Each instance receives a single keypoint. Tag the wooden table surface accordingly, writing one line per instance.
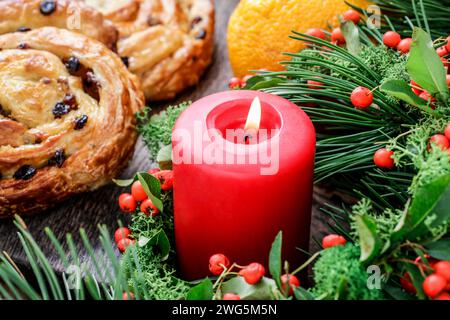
(100, 207)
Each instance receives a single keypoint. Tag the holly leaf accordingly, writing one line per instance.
(439, 249)
(124, 183)
(351, 35)
(368, 239)
(401, 90)
(275, 259)
(425, 66)
(396, 293)
(303, 294)
(202, 291)
(432, 200)
(164, 157)
(152, 188)
(263, 290)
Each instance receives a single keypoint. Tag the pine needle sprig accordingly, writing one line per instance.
(402, 15)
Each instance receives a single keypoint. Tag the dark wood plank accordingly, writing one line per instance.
(100, 207)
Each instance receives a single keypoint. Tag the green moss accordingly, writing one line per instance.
(156, 130)
(338, 274)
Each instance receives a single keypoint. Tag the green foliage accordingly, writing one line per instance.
(156, 130)
(404, 14)
(338, 274)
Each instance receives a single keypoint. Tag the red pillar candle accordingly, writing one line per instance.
(232, 195)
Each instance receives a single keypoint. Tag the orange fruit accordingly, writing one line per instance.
(258, 30)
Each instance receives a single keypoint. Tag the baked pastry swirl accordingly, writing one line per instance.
(66, 117)
(167, 43)
(76, 16)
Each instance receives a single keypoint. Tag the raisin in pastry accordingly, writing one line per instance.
(167, 43)
(67, 123)
(25, 15)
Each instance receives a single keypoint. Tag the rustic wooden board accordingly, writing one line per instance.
(100, 207)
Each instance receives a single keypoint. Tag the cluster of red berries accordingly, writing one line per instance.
(436, 285)
(252, 274)
(129, 202)
(238, 83)
(123, 239)
(442, 140)
(337, 37)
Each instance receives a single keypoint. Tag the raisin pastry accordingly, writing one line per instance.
(23, 15)
(67, 120)
(167, 43)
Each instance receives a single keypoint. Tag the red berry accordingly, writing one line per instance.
(448, 44)
(441, 141)
(291, 281)
(352, 15)
(154, 170)
(333, 240)
(416, 88)
(253, 273)
(316, 32)
(217, 263)
(123, 244)
(149, 208)
(314, 84)
(235, 83)
(444, 62)
(337, 36)
(405, 45)
(383, 158)
(138, 192)
(447, 77)
(166, 179)
(361, 97)
(406, 283)
(128, 296)
(121, 233)
(442, 51)
(391, 39)
(434, 285)
(443, 296)
(447, 131)
(231, 296)
(442, 268)
(127, 203)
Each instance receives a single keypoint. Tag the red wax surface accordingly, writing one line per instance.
(232, 208)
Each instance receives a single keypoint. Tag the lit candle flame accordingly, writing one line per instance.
(254, 116)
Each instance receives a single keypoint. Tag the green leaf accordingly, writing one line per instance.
(368, 240)
(160, 239)
(124, 183)
(351, 35)
(425, 66)
(202, 291)
(432, 199)
(152, 188)
(164, 157)
(263, 290)
(416, 279)
(275, 259)
(303, 294)
(264, 84)
(396, 293)
(401, 90)
(439, 249)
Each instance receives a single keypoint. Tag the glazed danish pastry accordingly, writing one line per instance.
(67, 107)
(167, 43)
(76, 16)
